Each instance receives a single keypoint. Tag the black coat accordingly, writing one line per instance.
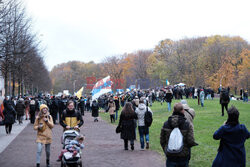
(127, 125)
(9, 114)
(95, 108)
(20, 107)
(169, 97)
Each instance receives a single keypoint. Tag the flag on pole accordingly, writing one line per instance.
(167, 82)
(79, 93)
(101, 87)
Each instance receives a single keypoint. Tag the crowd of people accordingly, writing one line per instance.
(46, 111)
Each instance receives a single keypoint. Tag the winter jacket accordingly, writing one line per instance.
(177, 120)
(140, 111)
(224, 97)
(20, 107)
(95, 109)
(9, 113)
(44, 135)
(189, 114)
(71, 118)
(117, 104)
(231, 151)
(111, 107)
(169, 97)
(127, 125)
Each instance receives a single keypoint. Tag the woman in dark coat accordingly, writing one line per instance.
(232, 137)
(95, 110)
(9, 116)
(127, 125)
(20, 107)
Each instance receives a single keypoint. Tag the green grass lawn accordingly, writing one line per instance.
(207, 120)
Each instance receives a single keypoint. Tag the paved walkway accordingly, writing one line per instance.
(7, 139)
(103, 148)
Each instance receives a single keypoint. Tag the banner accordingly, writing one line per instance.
(79, 93)
(101, 87)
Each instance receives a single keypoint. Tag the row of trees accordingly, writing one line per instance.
(204, 61)
(21, 63)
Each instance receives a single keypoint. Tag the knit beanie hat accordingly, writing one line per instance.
(42, 106)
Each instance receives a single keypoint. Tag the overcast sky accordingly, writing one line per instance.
(88, 30)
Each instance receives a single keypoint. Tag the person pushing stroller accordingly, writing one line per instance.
(71, 118)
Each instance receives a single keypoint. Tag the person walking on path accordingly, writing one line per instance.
(127, 125)
(117, 106)
(9, 116)
(20, 107)
(177, 120)
(168, 98)
(71, 118)
(111, 110)
(95, 110)
(232, 136)
(143, 130)
(224, 100)
(202, 97)
(27, 108)
(43, 125)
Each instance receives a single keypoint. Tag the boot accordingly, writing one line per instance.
(47, 162)
(37, 165)
(147, 145)
(132, 147)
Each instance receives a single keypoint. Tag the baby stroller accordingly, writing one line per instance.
(68, 159)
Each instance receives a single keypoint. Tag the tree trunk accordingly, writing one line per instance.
(19, 87)
(13, 84)
(6, 83)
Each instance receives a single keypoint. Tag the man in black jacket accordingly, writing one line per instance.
(177, 120)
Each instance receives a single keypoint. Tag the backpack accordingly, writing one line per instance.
(148, 118)
(175, 142)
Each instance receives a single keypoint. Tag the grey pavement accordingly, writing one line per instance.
(103, 148)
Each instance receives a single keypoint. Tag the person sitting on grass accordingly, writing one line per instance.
(232, 136)
(74, 147)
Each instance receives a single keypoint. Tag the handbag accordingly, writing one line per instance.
(1, 121)
(118, 129)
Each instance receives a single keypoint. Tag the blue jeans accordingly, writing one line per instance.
(169, 106)
(116, 114)
(143, 131)
(39, 152)
(176, 164)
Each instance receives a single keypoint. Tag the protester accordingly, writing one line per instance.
(127, 125)
(33, 109)
(54, 109)
(9, 114)
(143, 130)
(189, 112)
(245, 96)
(95, 110)
(43, 125)
(117, 106)
(27, 108)
(224, 100)
(20, 107)
(232, 136)
(202, 97)
(111, 110)
(177, 120)
(168, 98)
(71, 118)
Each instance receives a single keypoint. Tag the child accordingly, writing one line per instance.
(74, 146)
